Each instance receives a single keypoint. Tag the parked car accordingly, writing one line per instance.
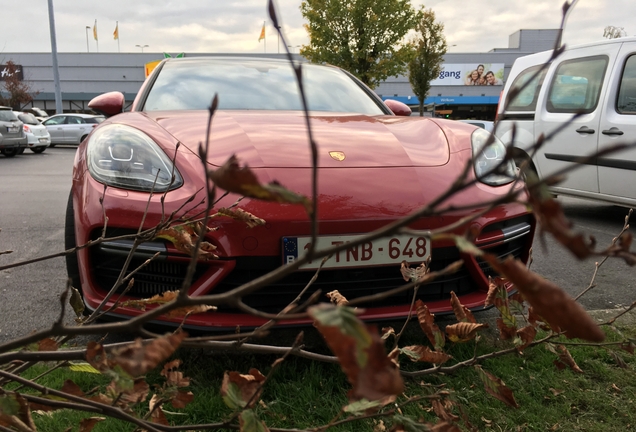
(484, 124)
(597, 81)
(374, 168)
(13, 137)
(38, 138)
(39, 113)
(71, 128)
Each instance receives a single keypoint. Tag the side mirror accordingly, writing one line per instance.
(109, 104)
(398, 108)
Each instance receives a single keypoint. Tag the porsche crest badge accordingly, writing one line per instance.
(337, 155)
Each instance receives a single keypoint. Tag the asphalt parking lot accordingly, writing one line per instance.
(34, 190)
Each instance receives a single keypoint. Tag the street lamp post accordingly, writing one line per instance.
(142, 47)
(87, 29)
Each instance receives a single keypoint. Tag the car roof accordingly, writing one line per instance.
(77, 115)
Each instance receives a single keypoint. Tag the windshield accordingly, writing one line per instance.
(6, 115)
(255, 84)
(28, 119)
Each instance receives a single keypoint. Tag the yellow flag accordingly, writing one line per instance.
(116, 32)
(262, 36)
(95, 30)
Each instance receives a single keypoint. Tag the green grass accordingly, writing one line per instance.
(303, 393)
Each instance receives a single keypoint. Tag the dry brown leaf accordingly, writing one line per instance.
(386, 332)
(232, 178)
(566, 360)
(492, 292)
(167, 297)
(506, 332)
(441, 412)
(462, 313)
(137, 359)
(47, 344)
(159, 417)
(19, 415)
(548, 300)
(138, 392)
(184, 239)
(181, 399)
(88, 424)
(250, 385)
(71, 388)
(414, 274)
(336, 298)
(526, 335)
(463, 331)
(628, 346)
(427, 323)
(173, 377)
(424, 354)
(239, 214)
(496, 387)
(374, 377)
(552, 219)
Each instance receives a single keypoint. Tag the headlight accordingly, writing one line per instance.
(487, 158)
(125, 157)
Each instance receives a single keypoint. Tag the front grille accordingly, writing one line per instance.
(156, 277)
(165, 274)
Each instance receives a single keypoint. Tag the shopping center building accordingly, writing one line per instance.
(86, 75)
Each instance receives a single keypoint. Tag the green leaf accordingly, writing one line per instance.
(76, 302)
(233, 397)
(251, 423)
(83, 367)
(440, 340)
(9, 406)
(359, 407)
(516, 307)
(412, 354)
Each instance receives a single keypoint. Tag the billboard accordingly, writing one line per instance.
(6, 71)
(463, 74)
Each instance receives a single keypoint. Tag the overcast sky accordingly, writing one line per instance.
(227, 26)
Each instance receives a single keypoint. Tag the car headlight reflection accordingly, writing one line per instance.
(488, 160)
(124, 157)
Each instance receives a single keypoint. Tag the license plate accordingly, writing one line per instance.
(12, 129)
(43, 140)
(383, 251)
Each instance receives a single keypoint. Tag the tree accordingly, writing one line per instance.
(430, 48)
(364, 37)
(19, 91)
(611, 32)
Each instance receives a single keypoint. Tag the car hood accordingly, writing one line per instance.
(279, 139)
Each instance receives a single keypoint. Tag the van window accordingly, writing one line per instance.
(576, 85)
(526, 100)
(626, 103)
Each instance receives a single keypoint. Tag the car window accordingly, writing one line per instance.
(576, 85)
(29, 119)
(74, 120)
(93, 120)
(526, 99)
(55, 120)
(255, 85)
(7, 115)
(626, 101)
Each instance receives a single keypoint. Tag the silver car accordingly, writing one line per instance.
(71, 128)
(38, 137)
(13, 136)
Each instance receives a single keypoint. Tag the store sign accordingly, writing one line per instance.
(455, 74)
(7, 72)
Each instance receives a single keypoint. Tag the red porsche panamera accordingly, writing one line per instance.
(374, 168)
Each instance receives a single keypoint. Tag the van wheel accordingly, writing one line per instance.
(10, 152)
(52, 145)
(38, 149)
(529, 171)
(83, 138)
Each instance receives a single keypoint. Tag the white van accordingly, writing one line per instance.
(597, 80)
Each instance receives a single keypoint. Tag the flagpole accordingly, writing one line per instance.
(95, 34)
(117, 27)
(264, 40)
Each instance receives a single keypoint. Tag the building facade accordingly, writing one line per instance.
(86, 75)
